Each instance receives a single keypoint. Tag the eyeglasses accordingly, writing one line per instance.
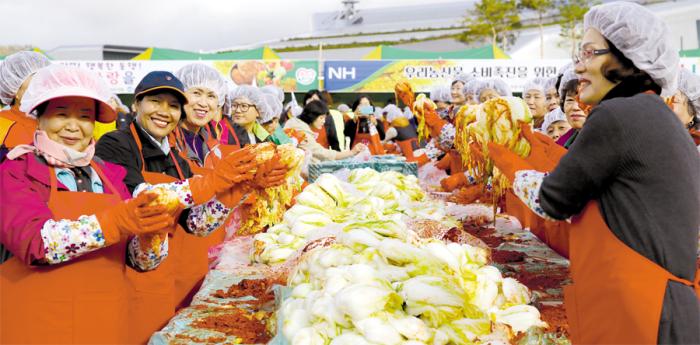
(586, 55)
(243, 107)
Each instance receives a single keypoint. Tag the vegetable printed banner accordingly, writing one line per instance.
(292, 75)
(381, 76)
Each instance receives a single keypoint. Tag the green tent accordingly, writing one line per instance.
(262, 53)
(392, 53)
(690, 53)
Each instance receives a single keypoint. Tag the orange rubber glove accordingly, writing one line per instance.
(444, 163)
(232, 197)
(231, 170)
(271, 173)
(134, 217)
(421, 160)
(471, 194)
(507, 161)
(434, 123)
(545, 153)
(453, 182)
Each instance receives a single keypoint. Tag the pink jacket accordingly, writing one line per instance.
(24, 196)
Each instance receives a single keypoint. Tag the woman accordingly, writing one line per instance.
(152, 162)
(16, 72)
(555, 124)
(686, 103)
(206, 92)
(272, 125)
(470, 91)
(457, 93)
(249, 108)
(314, 116)
(491, 88)
(440, 94)
(635, 227)
(364, 127)
(576, 113)
(335, 123)
(535, 98)
(69, 221)
(552, 93)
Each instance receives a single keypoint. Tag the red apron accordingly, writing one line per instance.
(617, 294)
(371, 139)
(83, 301)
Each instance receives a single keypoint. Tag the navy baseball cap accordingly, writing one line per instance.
(161, 81)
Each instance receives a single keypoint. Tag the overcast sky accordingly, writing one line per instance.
(180, 24)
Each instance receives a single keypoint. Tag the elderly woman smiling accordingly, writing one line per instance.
(68, 219)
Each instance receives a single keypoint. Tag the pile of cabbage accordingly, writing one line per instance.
(324, 208)
(380, 285)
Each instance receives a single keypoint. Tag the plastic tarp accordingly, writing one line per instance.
(262, 53)
(392, 53)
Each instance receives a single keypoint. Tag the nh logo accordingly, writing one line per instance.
(341, 73)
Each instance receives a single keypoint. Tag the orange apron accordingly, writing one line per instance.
(193, 263)
(16, 128)
(321, 137)
(371, 139)
(84, 300)
(153, 294)
(617, 294)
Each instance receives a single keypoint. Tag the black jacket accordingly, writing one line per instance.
(119, 147)
(635, 158)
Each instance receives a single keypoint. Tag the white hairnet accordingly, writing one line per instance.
(275, 91)
(275, 106)
(256, 97)
(563, 69)
(201, 75)
(471, 87)
(641, 36)
(293, 107)
(14, 71)
(565, 79)
(440, 93)
(392, 112)
(343, 108)
(55, 81)
(689, 85)
(551, 83)
(552, 117)
(538, 84)
(463, 78)
(495, 84)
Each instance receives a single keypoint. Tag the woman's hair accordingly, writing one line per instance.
(627, 71)
(570, 88)
(357, 101)
(312, 111)
(311, 93)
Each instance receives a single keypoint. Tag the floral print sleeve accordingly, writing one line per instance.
(447, 136)
(182, 188)
(205, 218)
(65, 239)
(146, 259)
(527, 188)
(432, 151)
